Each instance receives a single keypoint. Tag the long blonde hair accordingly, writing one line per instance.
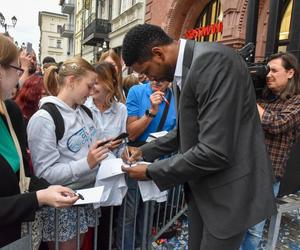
(54, 77)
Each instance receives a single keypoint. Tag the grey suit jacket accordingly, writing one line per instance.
(222, 156)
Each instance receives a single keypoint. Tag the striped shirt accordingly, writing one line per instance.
(281, 124)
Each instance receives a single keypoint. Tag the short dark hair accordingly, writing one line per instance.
(48, 59)
(139, 41)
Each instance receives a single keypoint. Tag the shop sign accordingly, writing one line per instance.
(204, 31)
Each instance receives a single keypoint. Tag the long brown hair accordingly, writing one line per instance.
(289, 61)
(108, 75)
(115, 57)
(54, 77)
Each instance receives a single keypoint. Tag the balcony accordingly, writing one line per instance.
(96, 32)
(67, 30)
(67, 6)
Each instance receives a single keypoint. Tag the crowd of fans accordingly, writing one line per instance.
(97, 103)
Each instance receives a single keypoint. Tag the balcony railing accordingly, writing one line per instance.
(67, 30)
(96, 31)
(67, 6)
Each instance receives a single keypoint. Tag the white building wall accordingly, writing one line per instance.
(51, 43)
(126, 14)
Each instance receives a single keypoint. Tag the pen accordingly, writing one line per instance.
(165, 99)
(127, 150)
(79, 195)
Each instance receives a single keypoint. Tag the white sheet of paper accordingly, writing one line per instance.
(91, 195)
(155, 135)
(109, 168)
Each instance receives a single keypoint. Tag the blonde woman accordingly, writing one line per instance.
(72, 160)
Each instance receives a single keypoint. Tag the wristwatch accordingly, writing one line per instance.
(149, 114)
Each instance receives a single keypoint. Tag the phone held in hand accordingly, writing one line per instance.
(121, 136)
(29, 48)
(103, 143)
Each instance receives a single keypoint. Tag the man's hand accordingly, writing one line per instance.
(156, 98)
(132, 155)
(137, 172)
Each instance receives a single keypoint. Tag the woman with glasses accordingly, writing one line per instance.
(17, 207)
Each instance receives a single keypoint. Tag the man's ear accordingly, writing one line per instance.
(158, 52)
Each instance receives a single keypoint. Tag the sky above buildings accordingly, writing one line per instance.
(26, 11)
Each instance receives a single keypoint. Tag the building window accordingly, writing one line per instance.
(209, 24)
(52, 27)
(51, 42)
(285, 26)
(211, 15)
(58, 44)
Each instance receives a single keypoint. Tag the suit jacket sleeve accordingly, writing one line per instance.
(162, 146)
(216, 82)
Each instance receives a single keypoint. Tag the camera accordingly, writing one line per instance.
(258, 71)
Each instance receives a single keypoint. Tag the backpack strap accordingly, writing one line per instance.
(87, 110)
(57, 118)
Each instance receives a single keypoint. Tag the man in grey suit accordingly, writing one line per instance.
(221, 156)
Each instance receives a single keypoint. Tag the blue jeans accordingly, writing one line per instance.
(254, 234)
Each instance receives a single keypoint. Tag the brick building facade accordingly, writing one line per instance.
(178, 16)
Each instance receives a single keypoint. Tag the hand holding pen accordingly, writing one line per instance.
(127, 151)
(79, 195)
(131, 155)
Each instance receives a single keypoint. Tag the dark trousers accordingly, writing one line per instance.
(201, 239)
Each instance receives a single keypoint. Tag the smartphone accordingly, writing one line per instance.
(103, 143)
(121, 136)
(29, 48)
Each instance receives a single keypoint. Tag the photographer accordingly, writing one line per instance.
(279, 111)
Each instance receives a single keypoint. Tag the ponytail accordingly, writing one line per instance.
(51, 81)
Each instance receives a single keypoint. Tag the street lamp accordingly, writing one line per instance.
(5, 25)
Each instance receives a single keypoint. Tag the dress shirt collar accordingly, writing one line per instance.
(179, 63)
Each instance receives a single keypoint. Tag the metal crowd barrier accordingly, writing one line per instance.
(157, 218)
(285, 204)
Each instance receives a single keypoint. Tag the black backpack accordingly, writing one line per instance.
(58, 119)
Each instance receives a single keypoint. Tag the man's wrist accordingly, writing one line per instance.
(147, 174)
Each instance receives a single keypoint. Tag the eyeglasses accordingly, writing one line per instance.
(19, 70)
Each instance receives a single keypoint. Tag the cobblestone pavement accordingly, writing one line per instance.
(289, 235)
